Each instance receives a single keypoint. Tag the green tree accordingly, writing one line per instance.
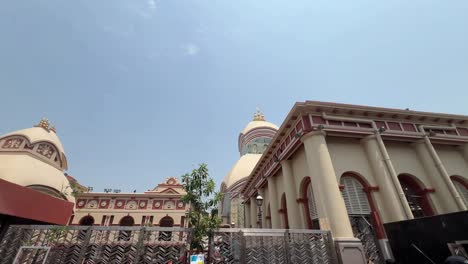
(203, 201)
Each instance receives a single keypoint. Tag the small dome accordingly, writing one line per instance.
(257, 124)
(242, 169)
(34, 158)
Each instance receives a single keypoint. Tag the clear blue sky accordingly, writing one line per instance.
(145, 89)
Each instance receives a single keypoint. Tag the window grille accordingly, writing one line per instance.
(354, 197)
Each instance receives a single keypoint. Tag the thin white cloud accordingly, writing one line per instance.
(152, 4)
(191, 49)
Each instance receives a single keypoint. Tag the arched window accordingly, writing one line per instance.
(126, 221)
(461, 185)
(354, 196)
(166, 221)
(284, 211)
(416, 196)
(309, 204)
(87, 221)
(364, 222)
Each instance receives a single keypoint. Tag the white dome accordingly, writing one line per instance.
(256, 124)
(242, 169)
(26, 164)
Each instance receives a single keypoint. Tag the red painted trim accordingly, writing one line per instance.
(369, 189)
(341, 186)
(428, 190)
(305, 183)
(306, 122)
(19, 201)
(460, 180)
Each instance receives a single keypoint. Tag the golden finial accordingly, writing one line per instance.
(258, 115)
(44, 123)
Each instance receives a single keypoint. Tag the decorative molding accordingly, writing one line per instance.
(369, 189)
(428, 190)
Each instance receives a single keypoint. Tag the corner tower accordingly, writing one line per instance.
(252, 142)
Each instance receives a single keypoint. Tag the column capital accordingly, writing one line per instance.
(285, 163)
(369, 137)
(418, 142)
(312, 134)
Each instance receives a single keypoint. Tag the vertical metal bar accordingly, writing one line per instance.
(286, 246)
(139, 245)
(84, 245)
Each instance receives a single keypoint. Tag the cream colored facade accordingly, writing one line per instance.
(330, 165)
(161, 206)
(35, 158)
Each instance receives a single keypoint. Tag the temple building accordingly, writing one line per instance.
(161, 206)
(350, 169)
(33, 187)
(253, 141)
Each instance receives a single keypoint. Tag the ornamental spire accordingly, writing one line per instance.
(258, 115)
(44, 123)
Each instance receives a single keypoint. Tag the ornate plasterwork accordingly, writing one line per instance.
(13, 143)
(44, 150)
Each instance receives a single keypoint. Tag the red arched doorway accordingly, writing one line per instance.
(126, 221)
(284, 211)
(308, 201)
(166, 221)
(87, 221)
(416, 195)
(166, 235)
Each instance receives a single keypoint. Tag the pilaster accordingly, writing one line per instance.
(291, 195)
(273, 195)
(253, 212)
(330, 204)
(446, 194)
(392, 206)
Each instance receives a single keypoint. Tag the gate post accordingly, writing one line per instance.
(139, 245)
(243, 252)
(84, 245)
(286, 245)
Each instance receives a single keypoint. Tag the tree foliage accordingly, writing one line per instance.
(203, 201)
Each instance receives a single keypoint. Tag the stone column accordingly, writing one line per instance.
(253, 212)
(247, 215)
(464, 150)
(291, 195)
(262, 193)
(447, 195)
(275, 218)
(393, 209)
(330, 204)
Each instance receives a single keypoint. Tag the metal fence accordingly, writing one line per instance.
(124, 245)
(273, 246)
(94, 245)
